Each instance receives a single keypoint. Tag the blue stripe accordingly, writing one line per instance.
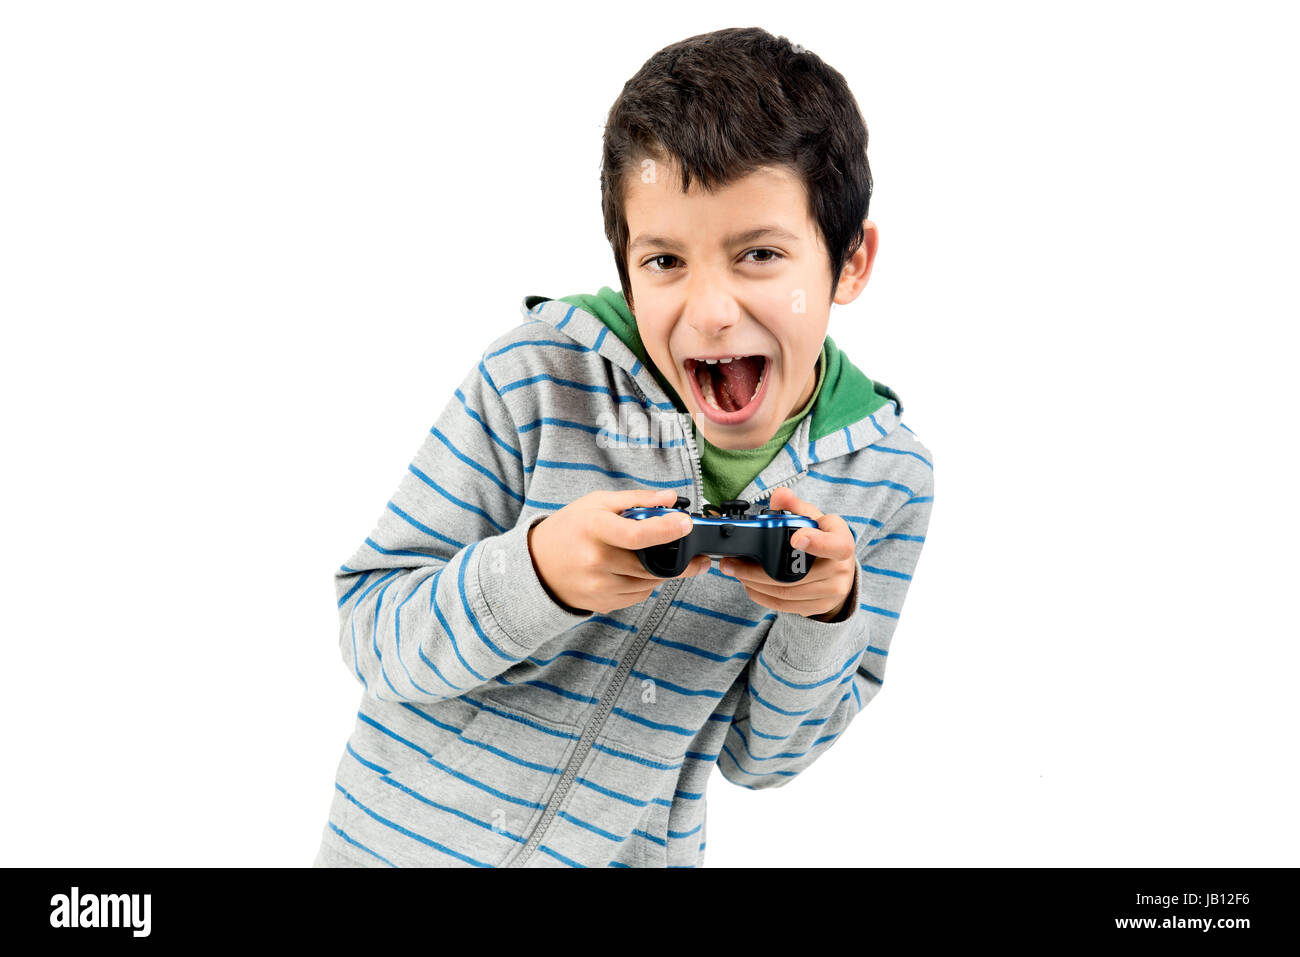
(862, 519)
(451, 810)
(554, 689)
(474, 465)
(475, 782)
(733, 619)
(360, 581)
(591, 827)
(882, 432)
(798, 466)
(469, 612)
(451, 498)
(451, 635)
(879, 611)
(584, 467)
(606, 620)
(801, 686)
(353, 841)
(885, 571)
(492, 749)
(712, 656)
(535, 725)
(915, 455)
(397, 631)
(419, 713)
(858, 482)
(411, 834)
(570, 383)
(558, 856)
(788, 755)
(573, 652)
(663, 683)
(392, 734)
(767, 704)
(374, 640)
(752, 774)
(369, 764)
(486, 428)
(674, 728)
(574, 346)
(898, 537)
(618, 795)
(636, 758)
(415, 523)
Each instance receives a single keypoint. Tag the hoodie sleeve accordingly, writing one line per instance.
(443, 596)
(809, 679)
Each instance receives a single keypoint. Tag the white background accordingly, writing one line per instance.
(248, 249)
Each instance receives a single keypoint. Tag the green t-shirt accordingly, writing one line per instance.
(842, 395)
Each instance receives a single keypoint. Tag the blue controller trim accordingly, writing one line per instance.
(764, 537)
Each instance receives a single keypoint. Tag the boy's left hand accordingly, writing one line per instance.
(828, 586)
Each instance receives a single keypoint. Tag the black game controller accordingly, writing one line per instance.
(764, 537)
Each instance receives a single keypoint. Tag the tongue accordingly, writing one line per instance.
(735, 382)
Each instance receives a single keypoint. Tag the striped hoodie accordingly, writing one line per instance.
(497, 728)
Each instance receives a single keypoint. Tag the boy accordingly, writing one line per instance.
(533, 697)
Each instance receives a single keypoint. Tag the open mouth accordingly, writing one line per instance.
(728, 389)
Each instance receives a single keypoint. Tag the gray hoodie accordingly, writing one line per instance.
(497, 728)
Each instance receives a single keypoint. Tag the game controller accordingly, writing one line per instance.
(764, 537)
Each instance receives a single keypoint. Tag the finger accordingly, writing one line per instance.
(749, 572)
(785, 498)
(635, 533)
(821, 590)
(831, 539)
(627, 563)
(617, 501)
(784, 602)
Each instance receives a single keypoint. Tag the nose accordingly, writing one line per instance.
(710, 310)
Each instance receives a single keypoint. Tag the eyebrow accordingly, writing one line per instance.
(749, 235)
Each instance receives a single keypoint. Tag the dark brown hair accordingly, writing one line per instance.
(723, 104)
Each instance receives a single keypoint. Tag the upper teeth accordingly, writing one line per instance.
(714, 362)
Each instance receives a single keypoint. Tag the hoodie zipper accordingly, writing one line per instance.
(697, 469)
(668, 592)
(670, 588)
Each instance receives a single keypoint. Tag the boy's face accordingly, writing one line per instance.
(702, 289)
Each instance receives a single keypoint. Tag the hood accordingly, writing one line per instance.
(846, 395)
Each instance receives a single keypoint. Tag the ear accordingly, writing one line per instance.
(856, 272)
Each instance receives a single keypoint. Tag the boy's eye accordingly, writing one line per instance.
(656, 261)
(772, 256)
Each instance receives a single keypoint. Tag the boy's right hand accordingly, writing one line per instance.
(585, 554)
